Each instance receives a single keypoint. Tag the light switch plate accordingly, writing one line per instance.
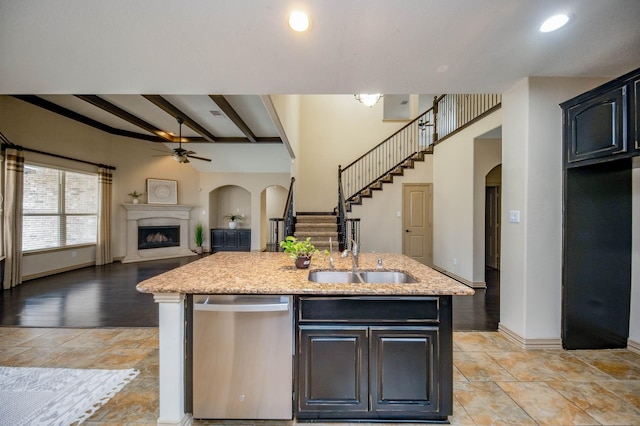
(514, 216)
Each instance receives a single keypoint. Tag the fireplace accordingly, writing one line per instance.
(158, 236)
(157, 231)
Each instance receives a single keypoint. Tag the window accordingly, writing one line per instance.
(60, 208)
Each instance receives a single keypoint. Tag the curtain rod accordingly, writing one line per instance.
(8, 144)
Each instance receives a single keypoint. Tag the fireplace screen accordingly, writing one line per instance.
(158, 236)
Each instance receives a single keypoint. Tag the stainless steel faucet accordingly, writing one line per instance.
(354, 253)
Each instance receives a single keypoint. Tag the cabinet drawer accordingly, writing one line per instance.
(369, 309)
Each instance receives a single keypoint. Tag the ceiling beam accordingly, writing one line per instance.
(226, 107)
(175, 112)
(55, 108)
(126, 116)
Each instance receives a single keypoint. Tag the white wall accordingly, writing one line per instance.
(531, 264)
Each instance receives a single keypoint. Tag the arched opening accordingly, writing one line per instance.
(227, 200)
(272, 203)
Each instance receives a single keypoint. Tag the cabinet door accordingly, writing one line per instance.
(404, 370)
(597, 126)
(230, 239)
(217, 240)
(332, 371)
(244, 240)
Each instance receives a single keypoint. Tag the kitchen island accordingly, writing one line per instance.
(254, 273)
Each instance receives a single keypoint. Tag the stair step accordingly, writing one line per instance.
(303, 234)
(304, 218)
(325, 225)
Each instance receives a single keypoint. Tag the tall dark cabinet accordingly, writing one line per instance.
(600, 136)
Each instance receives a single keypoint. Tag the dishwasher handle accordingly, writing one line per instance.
(269, 305)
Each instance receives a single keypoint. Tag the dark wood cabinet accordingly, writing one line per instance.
(602, 124)
(600, 136)
(230, 240)
(597, 125)
(374, 358)
(333, 369)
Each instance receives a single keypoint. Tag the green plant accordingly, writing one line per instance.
(234, 217)
(199, 235)
(300, 248)
(134, 194)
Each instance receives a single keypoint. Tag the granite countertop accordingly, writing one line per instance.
(275, 273)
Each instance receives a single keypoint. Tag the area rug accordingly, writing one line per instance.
(56, 396)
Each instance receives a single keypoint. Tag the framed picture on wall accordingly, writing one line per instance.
(162, 191)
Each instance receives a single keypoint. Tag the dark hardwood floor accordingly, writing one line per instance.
(106, 296)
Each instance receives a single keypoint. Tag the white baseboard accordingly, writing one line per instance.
(633, 346)
(471, 284)
(529, 343)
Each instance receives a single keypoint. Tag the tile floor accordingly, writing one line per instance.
(495, 382)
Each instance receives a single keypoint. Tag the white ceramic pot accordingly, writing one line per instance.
(135, 201)
(233, 225)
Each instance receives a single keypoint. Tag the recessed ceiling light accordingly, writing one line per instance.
(554, 23)
(299, 21)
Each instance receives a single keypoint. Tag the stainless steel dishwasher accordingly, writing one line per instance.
(242, 357)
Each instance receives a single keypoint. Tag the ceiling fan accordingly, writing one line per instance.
(180, 154)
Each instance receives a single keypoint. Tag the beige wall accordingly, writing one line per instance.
(487, 155)
(381, 216)
(460, 165)
(254, 184)
(334, 130)
(531, 264)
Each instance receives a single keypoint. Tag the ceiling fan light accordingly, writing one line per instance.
(369, 99)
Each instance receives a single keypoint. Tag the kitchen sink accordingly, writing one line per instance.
(364, 277)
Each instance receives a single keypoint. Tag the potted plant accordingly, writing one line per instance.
(134, 196)
(199, 237)
(301, 251)
(233, 219)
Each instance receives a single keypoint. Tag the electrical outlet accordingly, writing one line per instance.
(74, 253)
(455, 261)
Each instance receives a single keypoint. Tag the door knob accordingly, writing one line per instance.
(406, 230)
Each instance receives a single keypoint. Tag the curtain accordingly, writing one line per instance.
(13, 188)
(103, 246)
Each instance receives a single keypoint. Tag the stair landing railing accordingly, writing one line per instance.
(449, 114)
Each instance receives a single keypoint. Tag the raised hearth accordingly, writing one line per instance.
(163, 217)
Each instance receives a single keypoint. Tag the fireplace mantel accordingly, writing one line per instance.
(156, 215)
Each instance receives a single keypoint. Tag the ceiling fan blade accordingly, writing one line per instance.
(200, 158)
(189, 152)
(163, 155)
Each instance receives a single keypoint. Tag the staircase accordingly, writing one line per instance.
(368, 191)
(320, 227)
(448, 115)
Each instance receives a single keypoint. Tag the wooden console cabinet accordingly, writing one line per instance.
(230, 240)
